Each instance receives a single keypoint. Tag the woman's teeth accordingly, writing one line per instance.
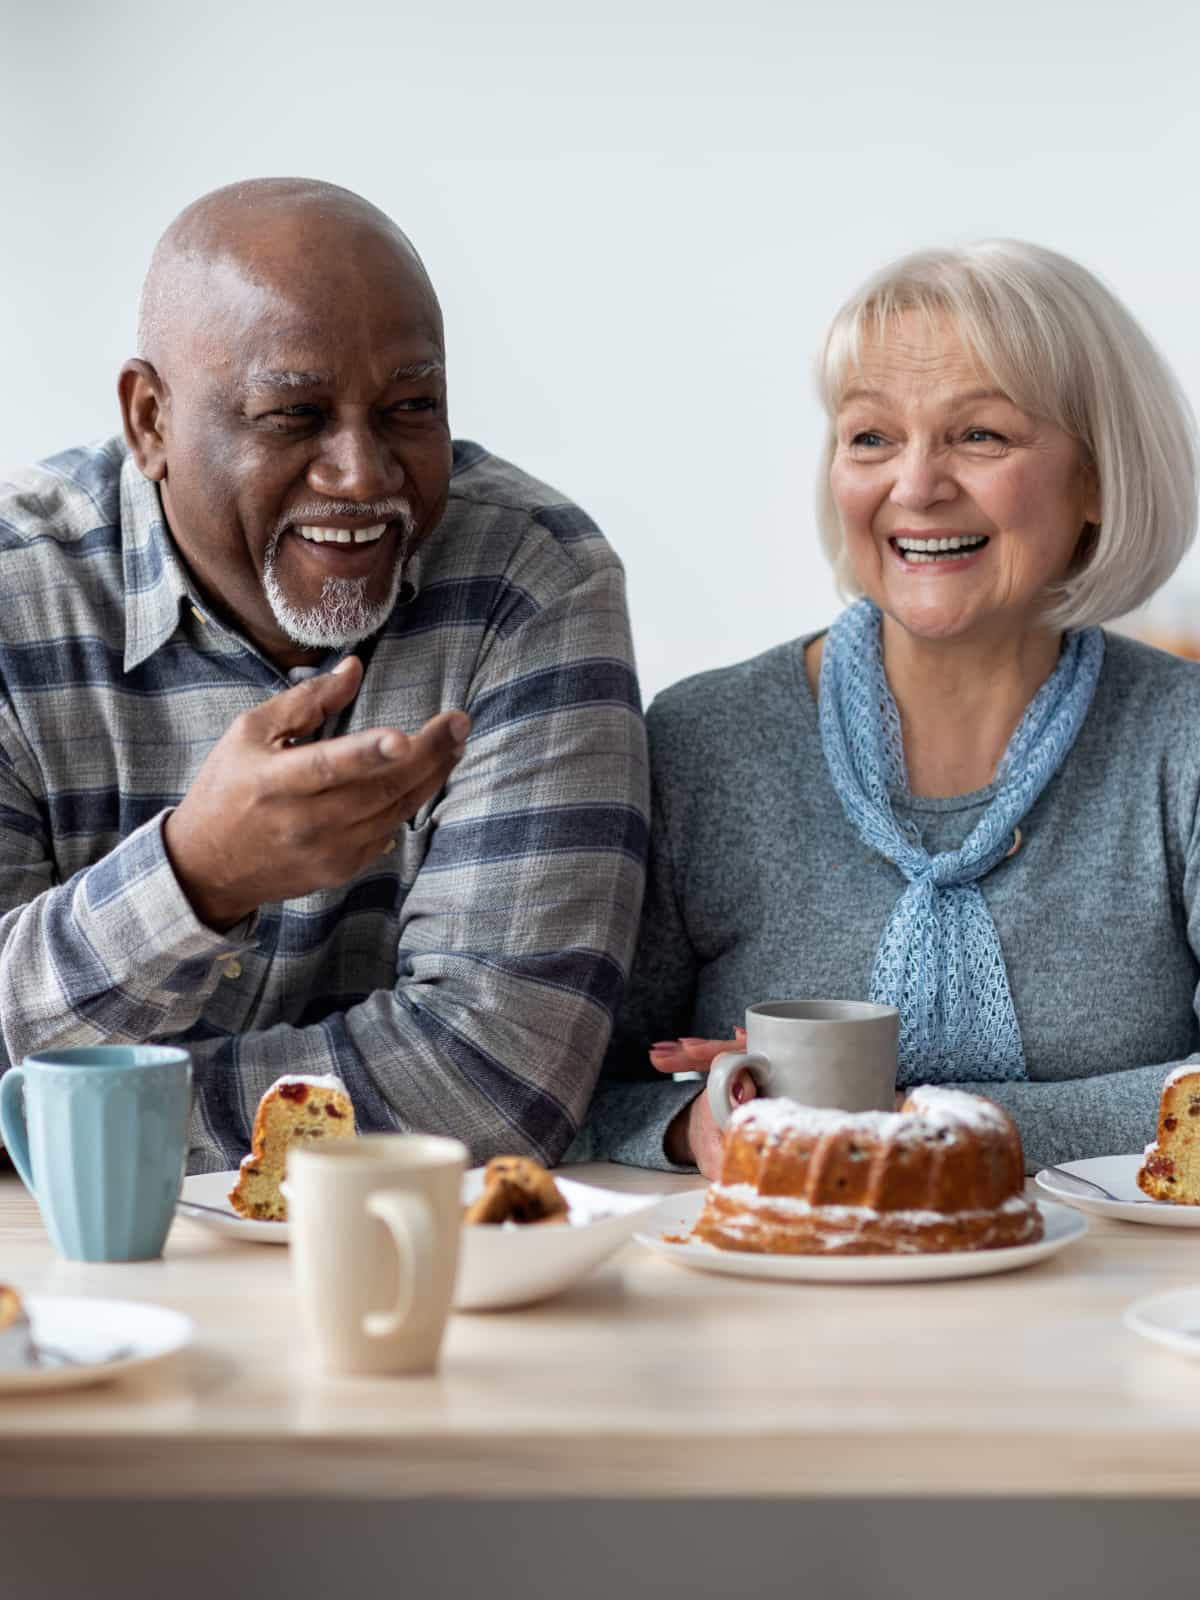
(316, 535)
(951, 549)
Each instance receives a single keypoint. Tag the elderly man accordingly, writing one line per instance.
(320, 747)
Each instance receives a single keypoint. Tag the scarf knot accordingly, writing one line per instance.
(939, 958)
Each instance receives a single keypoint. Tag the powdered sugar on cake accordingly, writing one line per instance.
(940, 1108)
(328, 1080)
(947, 1106)
(745, 1195)
(780, 1118)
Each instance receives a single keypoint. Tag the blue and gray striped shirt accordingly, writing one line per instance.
(466, 983)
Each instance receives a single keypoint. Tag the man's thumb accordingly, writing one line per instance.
(303, 708)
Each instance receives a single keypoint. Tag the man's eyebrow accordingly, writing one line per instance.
(263, 379)
(414, 370)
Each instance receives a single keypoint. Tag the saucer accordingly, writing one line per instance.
(1118, 1174)
(89, 1341)
(677, 1214)
(211, 1190)
(1171, 1319)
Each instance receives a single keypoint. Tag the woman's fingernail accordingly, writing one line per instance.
(665, 1044)
(693, 1041)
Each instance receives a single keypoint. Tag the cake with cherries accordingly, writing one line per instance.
(1170, 1168)
(294, 1110)
(945, 1172)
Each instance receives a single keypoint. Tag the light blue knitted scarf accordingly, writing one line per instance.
(939, 960)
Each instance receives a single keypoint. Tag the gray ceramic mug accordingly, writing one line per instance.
(839, 1053)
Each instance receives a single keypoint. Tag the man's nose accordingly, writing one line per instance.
(922, 479)
(353, 463)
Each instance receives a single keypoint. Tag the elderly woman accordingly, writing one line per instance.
(965, 798)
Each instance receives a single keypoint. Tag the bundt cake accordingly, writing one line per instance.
(1171, 1166)
(945, 1172)
(294, 1109)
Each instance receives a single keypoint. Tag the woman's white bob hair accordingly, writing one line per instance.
(1062, 347)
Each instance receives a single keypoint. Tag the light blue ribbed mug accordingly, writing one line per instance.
(99, 1136)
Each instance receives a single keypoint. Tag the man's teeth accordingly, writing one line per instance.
(955, 547)
(316, 535)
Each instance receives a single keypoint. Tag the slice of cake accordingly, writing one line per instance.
(1171, 1167)
(294, 1110)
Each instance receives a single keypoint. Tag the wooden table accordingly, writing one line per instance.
(644, 1382)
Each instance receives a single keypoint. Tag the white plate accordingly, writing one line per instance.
(212, 1189)
(514, 1266)
(1171, 1319)
(101, 1338)
(1118, 1174)
(678, 1213)
(498, 1266)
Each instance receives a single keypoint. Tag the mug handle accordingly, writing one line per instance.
(14, 1126)
(720, 1078)
(409, 1220)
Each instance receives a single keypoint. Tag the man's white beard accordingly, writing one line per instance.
(342, 616)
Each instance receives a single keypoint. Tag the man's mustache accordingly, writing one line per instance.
(393, 510)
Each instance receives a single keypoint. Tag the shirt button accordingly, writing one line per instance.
(231, 967)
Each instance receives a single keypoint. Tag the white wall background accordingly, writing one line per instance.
(639, 216)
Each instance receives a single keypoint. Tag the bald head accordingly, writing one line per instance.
(291, 377)
(289, 235)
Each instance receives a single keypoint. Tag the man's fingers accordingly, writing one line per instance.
(384, 764)
(306, 706)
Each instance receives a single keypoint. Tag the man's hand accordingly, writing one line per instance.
(267, 821)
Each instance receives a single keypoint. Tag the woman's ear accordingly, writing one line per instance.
(143, 398)
(1092, 507)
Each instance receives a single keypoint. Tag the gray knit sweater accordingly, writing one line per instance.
(760, 889)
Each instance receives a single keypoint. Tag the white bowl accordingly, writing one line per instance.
(513, 1265)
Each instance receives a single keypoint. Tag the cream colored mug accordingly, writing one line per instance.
(374, 1224)
(839, 1053)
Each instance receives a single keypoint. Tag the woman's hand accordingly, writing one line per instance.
(693, 1136)
(696, 1055)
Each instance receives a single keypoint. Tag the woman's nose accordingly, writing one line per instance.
(353, 463)
(921, 480)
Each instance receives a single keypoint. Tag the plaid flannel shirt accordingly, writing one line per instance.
(466, 983)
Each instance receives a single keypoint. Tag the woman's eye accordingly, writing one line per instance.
(983, 436)
(867, 439)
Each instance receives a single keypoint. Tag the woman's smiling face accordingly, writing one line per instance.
(960, 511)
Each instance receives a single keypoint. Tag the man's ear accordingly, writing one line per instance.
(143, 398)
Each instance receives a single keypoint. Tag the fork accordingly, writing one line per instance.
(1106, 1194)
(213, 1211)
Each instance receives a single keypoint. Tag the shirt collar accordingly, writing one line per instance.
(155, 582)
